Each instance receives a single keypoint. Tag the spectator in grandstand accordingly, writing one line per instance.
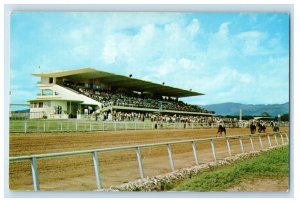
(130, 99)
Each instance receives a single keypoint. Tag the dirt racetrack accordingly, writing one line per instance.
(76, 173)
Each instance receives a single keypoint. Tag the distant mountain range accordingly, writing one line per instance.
(230, 108)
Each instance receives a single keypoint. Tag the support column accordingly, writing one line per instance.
(35, 175)
(228, 146)
(195, 152)
(282, 141)
(97, 170)
(213, 149)
(251, 142)
(241, 145)
(270, 144)
(138, 156)
(170, 157)
(275, 139)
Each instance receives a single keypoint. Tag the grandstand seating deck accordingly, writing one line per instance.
(131, 99)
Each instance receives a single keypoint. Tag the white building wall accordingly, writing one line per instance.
(45, 80)
(48, 110)
(60, 98)
(56, 103)
(36, 113)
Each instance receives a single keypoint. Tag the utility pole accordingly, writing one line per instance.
(240, 114)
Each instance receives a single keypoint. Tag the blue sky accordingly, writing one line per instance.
(231, 57)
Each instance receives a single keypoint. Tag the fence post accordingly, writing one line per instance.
(135, 125)
(61, 126)
(90, 126)
(195, 152)
(281, 138)
(102, 125)
(44, 127)
(260, 142)
(170, 157)
(138, 156)
(270, 144)
(251, 142)
(228, 146)
(125, 125)
(25, 127)
(213, 149)
(97, 170)
(76, 126)
(144, 125)
(35, 175)
(241, 144)
(275, 139)
(287, 138)
(115, 126)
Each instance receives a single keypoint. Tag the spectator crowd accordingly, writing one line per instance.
(140, 116)
(131, 99)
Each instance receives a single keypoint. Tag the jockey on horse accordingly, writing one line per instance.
(252, 127)
(261, 127)
(275, 126)
(221, 128)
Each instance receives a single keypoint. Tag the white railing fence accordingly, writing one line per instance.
(75, 125)
(34, 158)
(34, 126)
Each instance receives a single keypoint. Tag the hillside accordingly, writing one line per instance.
(231, 108)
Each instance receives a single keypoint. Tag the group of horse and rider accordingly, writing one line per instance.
(260, 125)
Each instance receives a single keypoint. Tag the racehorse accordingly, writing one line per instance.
(252, 128)
(261, 128)
(275, 127)
(221, 130)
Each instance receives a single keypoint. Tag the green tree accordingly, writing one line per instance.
(285, 117)
(265, 114)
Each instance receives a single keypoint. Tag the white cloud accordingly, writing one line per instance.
(185, 63)
(171, 48)
(251, 42)
(168, 67)
(110, 52)
(149, 44)
(182, 64)
(82, 50)
(224, 29)
(112, 22)
(145, 35)
(220, 44)
(193, 28)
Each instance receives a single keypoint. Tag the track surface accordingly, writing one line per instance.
(76, 173)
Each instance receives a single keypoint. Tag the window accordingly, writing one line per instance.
(46, 92)
(50, 80)
(58, 109)
(40, 105)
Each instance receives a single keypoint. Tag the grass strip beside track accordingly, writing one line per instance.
(272, 164)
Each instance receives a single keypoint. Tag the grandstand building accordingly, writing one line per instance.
(94, 94)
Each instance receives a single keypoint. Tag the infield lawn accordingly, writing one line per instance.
(273, 164)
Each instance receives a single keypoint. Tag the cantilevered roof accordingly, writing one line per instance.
(122, 81)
